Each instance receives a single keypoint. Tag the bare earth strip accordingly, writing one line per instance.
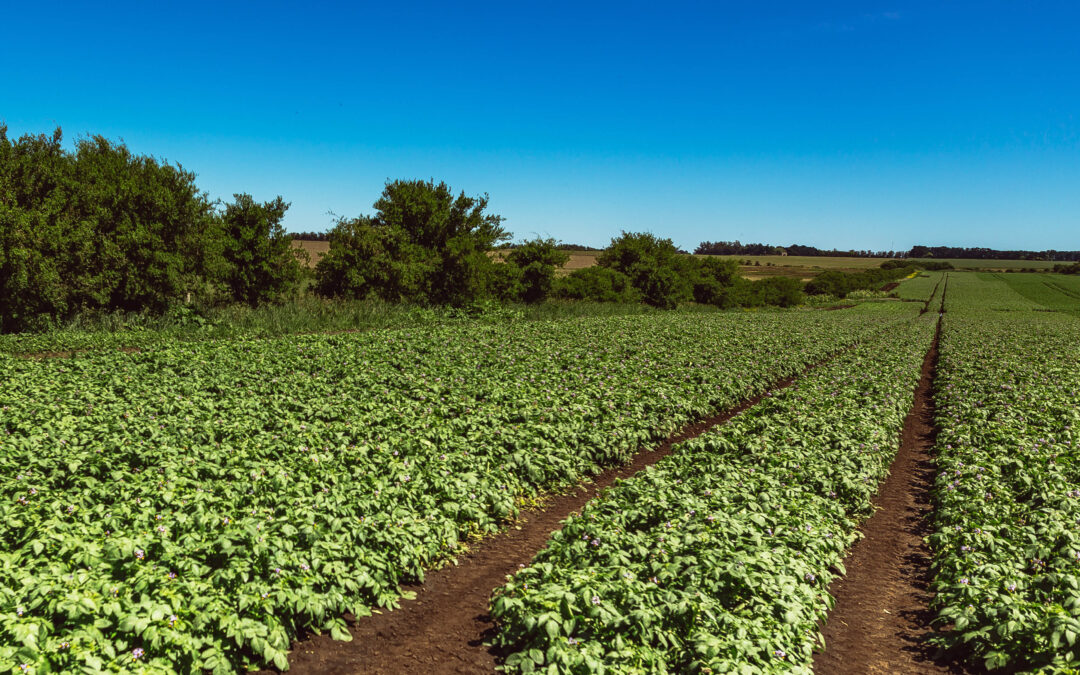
(882, 614)
(444, 628)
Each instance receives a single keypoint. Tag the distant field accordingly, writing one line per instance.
(808, 267)
(995, 265)
(315, 250)
(761, 266)
(1057, 292)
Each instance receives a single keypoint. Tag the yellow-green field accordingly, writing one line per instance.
(760, 266)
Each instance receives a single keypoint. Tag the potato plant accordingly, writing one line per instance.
(718, 558)
(1007, 532)
(196, 506)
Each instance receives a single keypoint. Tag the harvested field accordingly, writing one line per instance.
(314, 249)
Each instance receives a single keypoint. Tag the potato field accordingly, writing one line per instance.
(203, 505)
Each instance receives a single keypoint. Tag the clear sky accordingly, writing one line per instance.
(844, 124)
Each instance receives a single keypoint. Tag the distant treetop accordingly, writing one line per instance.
(310, 236)
(737, 248)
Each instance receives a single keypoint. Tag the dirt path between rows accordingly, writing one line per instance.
(882, 613)
(444, 628)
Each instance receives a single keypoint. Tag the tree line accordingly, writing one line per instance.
(979, 253)
(99, 229)
(919, 251)
(424, 244)
(738, 248)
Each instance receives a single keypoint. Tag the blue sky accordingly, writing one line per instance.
(846, 124)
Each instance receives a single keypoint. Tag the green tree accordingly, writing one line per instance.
(156, 238)
(537, 259)
(368, 260)
(262, 264)
(599, 284)
(653, 266)
(96, 230)
(713, 280)
(36, 230)
(422, 245)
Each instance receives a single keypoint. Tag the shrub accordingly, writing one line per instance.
(713, 281)
(423, 245)
(262, 265)
(600, 284)
(775, 291)
(652, 265)
(537, 261)
(99, 229)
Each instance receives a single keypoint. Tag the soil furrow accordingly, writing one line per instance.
(445, 627)
(882, 614)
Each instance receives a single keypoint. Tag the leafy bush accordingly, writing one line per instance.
(506, 283)
(537, 259)
(839, 284)
(262, 264)
(423, 245)
(934, 265)
(653, 266)
(774, 291)
(600, 284)
(713, 281)
(100, 229)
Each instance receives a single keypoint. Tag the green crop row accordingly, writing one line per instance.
(197, 506)
(920, 287)
(1007, 533)
(718, 558)
(985, 293)
(1058, 292)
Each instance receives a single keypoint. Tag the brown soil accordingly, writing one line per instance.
(882, 615)
(51, 355)
(445, 627)
(889, 286)
(926, 307)
(314, 249)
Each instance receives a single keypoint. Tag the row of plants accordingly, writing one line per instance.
(920, 287)
(1007, 525)
(1052, 291)
(196, 506)
(988, 294)
(718, 558)
(306, 315)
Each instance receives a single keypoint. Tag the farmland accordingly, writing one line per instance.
(797, 267)
(719, 556)
(1007, 563)
(200, 505)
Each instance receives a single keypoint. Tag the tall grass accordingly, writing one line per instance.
(307, 314)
